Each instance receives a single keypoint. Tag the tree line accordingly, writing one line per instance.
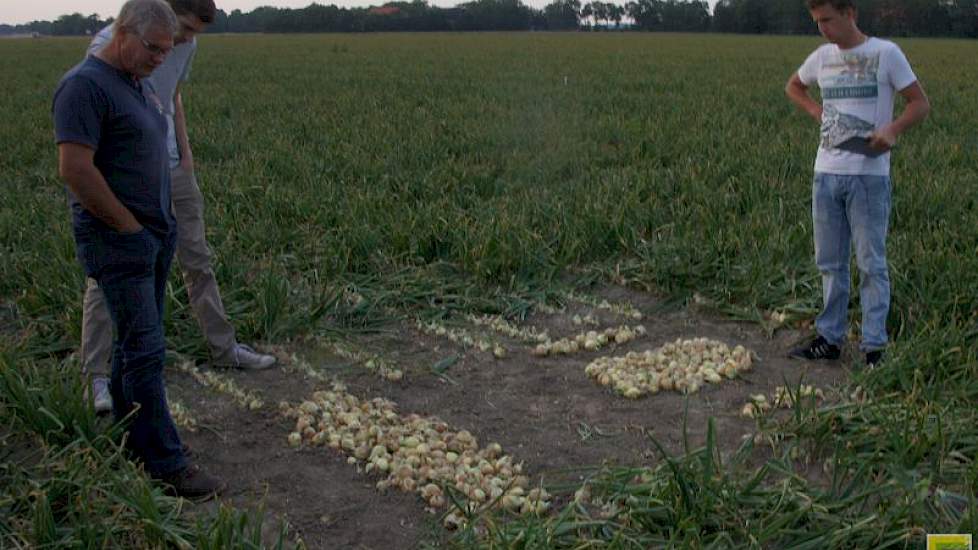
(878, 17)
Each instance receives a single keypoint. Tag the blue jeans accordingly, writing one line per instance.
(131, 270)
(852, 209)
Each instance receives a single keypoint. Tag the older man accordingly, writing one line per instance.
(111, 136)
(192, 251)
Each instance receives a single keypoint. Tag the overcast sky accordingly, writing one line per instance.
(14, 12)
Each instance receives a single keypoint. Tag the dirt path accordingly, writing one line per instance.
(322, 497)
(544, 411)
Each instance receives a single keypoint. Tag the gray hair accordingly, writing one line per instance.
(139, 16)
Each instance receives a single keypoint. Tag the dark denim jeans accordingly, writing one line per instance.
(131, 270)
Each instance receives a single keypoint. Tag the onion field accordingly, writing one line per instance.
(527, 290)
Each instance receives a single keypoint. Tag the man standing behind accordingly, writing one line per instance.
(858, 77)
(111, 136)
(193, 253)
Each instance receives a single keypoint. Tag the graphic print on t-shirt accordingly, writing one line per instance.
(838, 127)
(848, 80)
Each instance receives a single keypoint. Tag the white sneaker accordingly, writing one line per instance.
(101, 398)
(246, 358)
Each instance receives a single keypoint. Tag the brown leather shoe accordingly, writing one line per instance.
(193, 483)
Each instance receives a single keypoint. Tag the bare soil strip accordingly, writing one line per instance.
(545, 411)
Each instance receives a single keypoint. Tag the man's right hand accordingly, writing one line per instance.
(76, 166)
(131, 230)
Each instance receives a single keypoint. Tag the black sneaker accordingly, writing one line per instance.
(874, 358)
(193, 483)
(819, 348)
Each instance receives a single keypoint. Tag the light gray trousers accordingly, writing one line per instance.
(194, 258)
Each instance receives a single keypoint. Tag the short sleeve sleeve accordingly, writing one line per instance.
(100, 39)
(190, 61)
(79, 109)
(808, 72)
(900, 74)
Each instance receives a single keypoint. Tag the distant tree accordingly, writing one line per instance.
(789, 18)
(876, 17)
(599, 11)
(587, 12)
(238, 22)
(562, 14)
(615, 13)
(964, 17)
(647, 14)
(76, 24)
(220, 23)
(495, 15)
(629, 8)
(688, 16)
(753, 16)
(725, 16)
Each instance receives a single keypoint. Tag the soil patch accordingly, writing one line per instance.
(544, 411)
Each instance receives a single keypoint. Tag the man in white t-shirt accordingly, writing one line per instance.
(859, 77)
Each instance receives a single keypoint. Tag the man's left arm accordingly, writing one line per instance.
(180, 130)
(916, 110)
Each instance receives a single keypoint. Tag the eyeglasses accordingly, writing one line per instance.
(154, 49)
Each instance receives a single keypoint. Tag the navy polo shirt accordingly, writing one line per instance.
(121, 119)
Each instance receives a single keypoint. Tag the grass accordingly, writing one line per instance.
(67, 481)
(439, 174)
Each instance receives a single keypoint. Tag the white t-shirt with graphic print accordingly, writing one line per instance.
(858, 88)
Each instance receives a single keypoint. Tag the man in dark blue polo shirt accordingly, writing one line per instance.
(112, 156)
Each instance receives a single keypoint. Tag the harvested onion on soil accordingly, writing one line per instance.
(683, 366)
(413, 453)
(591, 340)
